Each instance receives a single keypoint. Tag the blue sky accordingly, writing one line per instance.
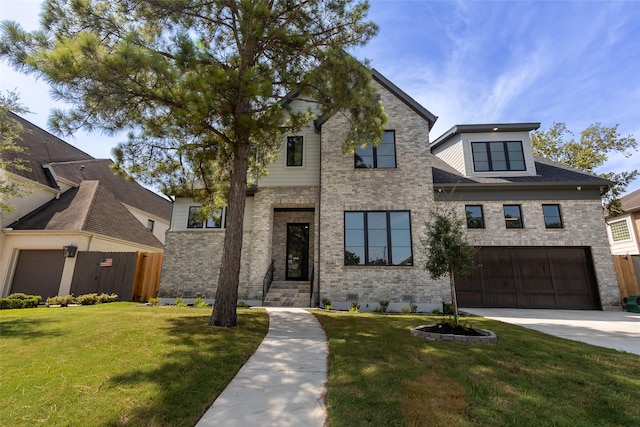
(576, 62)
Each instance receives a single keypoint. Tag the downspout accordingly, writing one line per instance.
(319, 216)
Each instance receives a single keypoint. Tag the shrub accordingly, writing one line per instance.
(87, 299)
(199, 302)
(242, 304)
(20, 300)
(104, 298)
(384, 305)
(355, 307)
(413, 307)
(405, 310)
(154, 301)
(62, 300)
(180, 302)
(326, 303)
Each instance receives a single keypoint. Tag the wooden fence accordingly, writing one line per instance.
(147, 278)
(627, 272)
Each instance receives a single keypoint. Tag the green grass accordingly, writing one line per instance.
(118, 364)
(380, 375)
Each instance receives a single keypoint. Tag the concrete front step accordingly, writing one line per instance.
(288, 294)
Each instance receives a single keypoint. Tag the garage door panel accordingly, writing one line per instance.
(531, 277)
(38, 272)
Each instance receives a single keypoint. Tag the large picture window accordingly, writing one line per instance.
(497, 156)
(381, 157)
(377, 238)
(294, 150)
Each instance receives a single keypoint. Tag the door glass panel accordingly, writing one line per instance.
(297, 251)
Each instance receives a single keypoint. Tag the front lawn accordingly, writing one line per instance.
(380, 375)
(118, 364)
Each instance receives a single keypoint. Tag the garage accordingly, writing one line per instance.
(531, 277)
(38, 272)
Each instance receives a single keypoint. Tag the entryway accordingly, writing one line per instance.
(297, 252)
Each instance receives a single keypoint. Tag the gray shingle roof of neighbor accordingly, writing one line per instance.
(68, 162)
(90, 207)
(548, 173)
(631, 202)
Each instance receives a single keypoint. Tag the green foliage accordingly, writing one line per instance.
(413, 307)
(589, 153)
(180, 302)
(154, 301)
(61, 300)
(405, 310)
(104, 298)
(87, 299)
(242, 304)
(355, 307)
(199, 302)
(447, 249)
(20, 300)
(326, 303)
(11, 154)
(384, 305)
(205, 94)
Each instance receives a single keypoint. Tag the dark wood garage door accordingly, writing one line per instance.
(531, 277)
(38, 273)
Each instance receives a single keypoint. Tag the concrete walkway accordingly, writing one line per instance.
(619, 330)
(283, 383)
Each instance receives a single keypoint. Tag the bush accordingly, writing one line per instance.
(61, 300)
(242, 304)
(384, 305)
(180, 302)
(88, 299)
(355, 307)
(199, 302)
(154, 301)
(104, 298)
(20, 300)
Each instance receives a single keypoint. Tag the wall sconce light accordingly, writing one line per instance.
(69, 251)
(578, 188)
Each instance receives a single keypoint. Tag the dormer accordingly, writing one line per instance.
(488, 150)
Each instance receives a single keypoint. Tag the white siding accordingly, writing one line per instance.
(452, 153)
(180, 215)
(623, 247)
(35, 196)
(281, 175)
(160, 225)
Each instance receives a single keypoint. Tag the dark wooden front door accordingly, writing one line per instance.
(531, 277)
(297, 252)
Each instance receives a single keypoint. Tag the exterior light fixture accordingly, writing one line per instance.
(69, 251)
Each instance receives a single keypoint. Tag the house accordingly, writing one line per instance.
(76, 215)
(348, 227)
(624, 229)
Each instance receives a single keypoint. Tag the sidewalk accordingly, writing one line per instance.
(283, 383)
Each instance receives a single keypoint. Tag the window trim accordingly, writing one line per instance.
(150, 225)
(507, 220)
(193, 225)
(548, 225)
(482, 222)
(204, 224)
(628, 231)
(300, 138)
(506, 155)
(366, 239)
(375, 154)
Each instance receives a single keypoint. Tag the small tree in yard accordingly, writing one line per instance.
(447, 249)
(204, 87)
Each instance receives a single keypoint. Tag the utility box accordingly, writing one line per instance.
(632, 303)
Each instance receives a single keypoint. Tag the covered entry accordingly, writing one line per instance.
(292, 243)
(531, 277)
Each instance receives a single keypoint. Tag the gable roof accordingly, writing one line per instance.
(484, 128)
(90, 207)
(550, 173)
(410, 102)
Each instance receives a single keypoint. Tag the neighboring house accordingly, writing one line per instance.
(624, 229)
(349, 227)
(75, 203)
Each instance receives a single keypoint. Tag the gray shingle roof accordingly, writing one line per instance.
(90, 207)
(630, 202)
(549, 173)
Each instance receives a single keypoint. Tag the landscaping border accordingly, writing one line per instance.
(487, 337)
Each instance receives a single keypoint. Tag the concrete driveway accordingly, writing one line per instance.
(619, 330)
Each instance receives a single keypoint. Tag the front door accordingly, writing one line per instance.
(297, 252)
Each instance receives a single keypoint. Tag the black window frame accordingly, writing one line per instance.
(549, 224)
(469, 219)
(492, 163)
(510, 221)
(195, 222)
(223, 220)
(375, 155)
(389, 262)
(151, 225)
(298, 144)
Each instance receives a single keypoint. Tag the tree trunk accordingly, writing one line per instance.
(454, 300)
(224, 309)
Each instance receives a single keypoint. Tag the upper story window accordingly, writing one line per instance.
(216, 220)
(552, 217)
(381, 157)
(150, 225)
(294, 150)
(475, 216)
(497, 156)
(513, 216)
(620, 230)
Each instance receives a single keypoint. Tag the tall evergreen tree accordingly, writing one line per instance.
(203, 87)
(12, 155)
